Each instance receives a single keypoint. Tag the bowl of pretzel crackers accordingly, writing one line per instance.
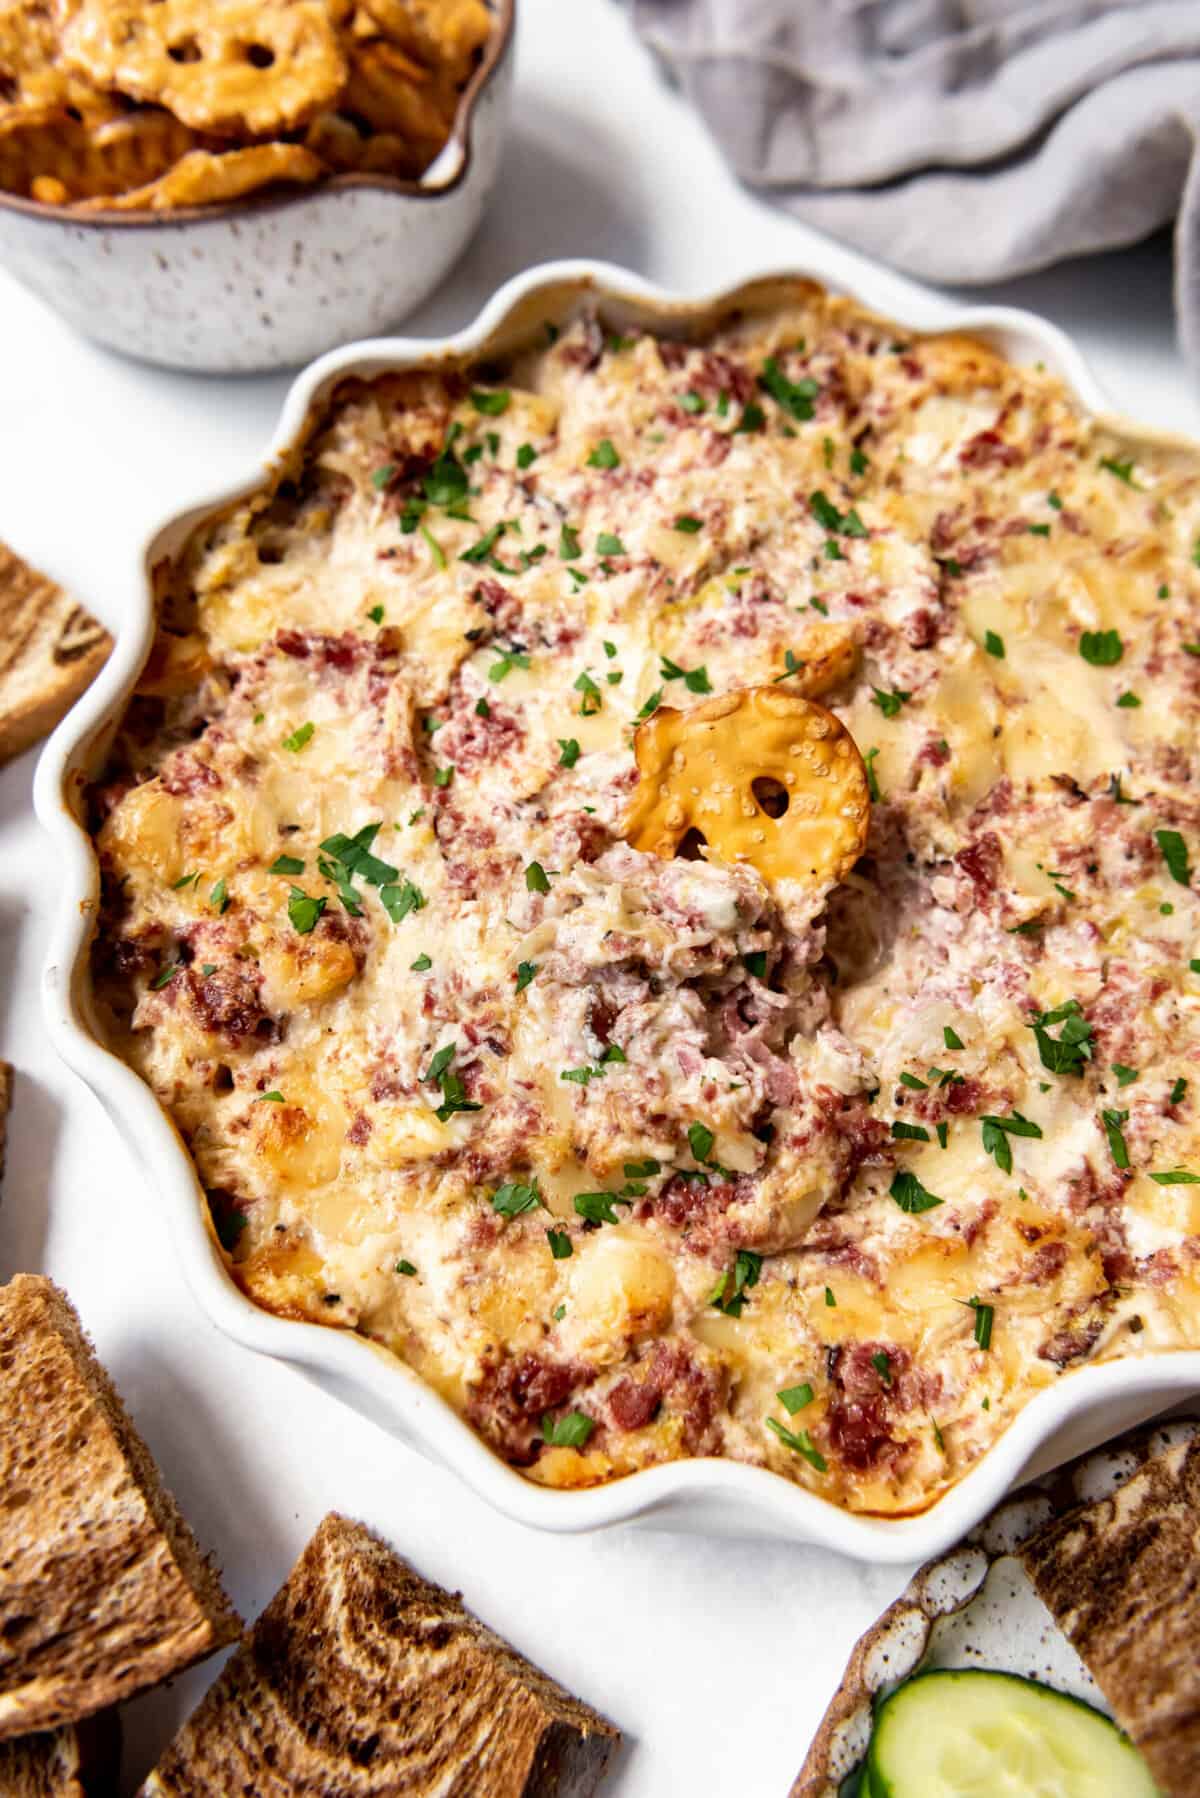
(237, 185)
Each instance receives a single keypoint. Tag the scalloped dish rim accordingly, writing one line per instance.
(714, 1495)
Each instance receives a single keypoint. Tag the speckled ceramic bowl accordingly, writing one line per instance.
(269, 282)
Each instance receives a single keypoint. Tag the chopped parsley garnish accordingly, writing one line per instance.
(1103, 649)
(691, 402)
(694, 679)
(491, 403)
(299, 738)
(903, 1132)
(512, 1199)
(1112, 1121)
(996, 1132)
(889, 703)
(641, 1170)
(353, 857)
(381, 476)
(188, 880)
(271, 1098)
(844, 524)
(592, 699)
(525, 973)
(569, 1431)
(1174, 853)
(1176, 1176)
(435, 548)
(568, 544)
(454, 1093)
(597, 1207)
(829, 1298)
(443, 776)
(398, 901)
(1072, 1047)
(422, 965)
(604, 455)
(983, 1322)
(1122, 470)
(560, 1244)
(943, 1132)
(729, 1294)
(918, 1085)
(1039, 530)
(651, 706)
(1053, 501)
(219, 897)
(526, 455)
(1178, 1090)
(210, 967)
(872, 778)
(509, 659)
(1129, 701)
(376, 614)
(482, 551)
(700, 1141)
(951, 1038)
(882, 1363)
(1124, 1075)
(994, 644)
(858, 462)
(910, 1195)
(753, 419)
(756, 963)
(535, 878)
(796, 397)
(304, 910)
(800, 1442)
(791, 665)
(609, 545)
(405, 1267)
(482, 708)
(794, 1398)
(164, 976)
(446, 482)
(688, 524)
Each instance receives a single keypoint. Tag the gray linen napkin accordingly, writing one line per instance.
(961, 140)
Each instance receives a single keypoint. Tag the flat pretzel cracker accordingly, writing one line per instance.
(202, 177)
(225, 66)
(86, 159)
(398, 97)
(700, 770)
(31, 70)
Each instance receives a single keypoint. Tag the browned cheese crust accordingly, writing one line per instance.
(103, 1588)
(1122, 1577)
(50, 651)
(362, 1678)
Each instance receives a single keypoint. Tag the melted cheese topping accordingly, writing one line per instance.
(613, 1149)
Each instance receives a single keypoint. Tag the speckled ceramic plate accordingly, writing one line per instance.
(974, 1607)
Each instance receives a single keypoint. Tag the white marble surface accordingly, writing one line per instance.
(716, 1658)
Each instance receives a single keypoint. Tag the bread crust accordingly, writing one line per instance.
(364, 1679)
(103, 1588)
(50, 652)
(80, 1760)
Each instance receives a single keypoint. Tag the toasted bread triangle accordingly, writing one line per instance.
(77, 1761)
(1122, 1579)
(362, 1678)
(103, 1587)
(50, 651)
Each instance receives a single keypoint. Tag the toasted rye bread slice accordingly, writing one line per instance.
(50, 650)
(1122, 1579)
(80, 1760)
(6, 1086)
(103, 1587)
(362, 1678)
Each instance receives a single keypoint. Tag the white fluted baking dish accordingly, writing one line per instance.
(1082, 1410)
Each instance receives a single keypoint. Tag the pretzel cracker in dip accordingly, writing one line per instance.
(820, 1151)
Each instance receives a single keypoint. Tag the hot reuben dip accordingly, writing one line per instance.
(657, 881)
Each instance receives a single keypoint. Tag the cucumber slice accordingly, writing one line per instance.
(973, 1734)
